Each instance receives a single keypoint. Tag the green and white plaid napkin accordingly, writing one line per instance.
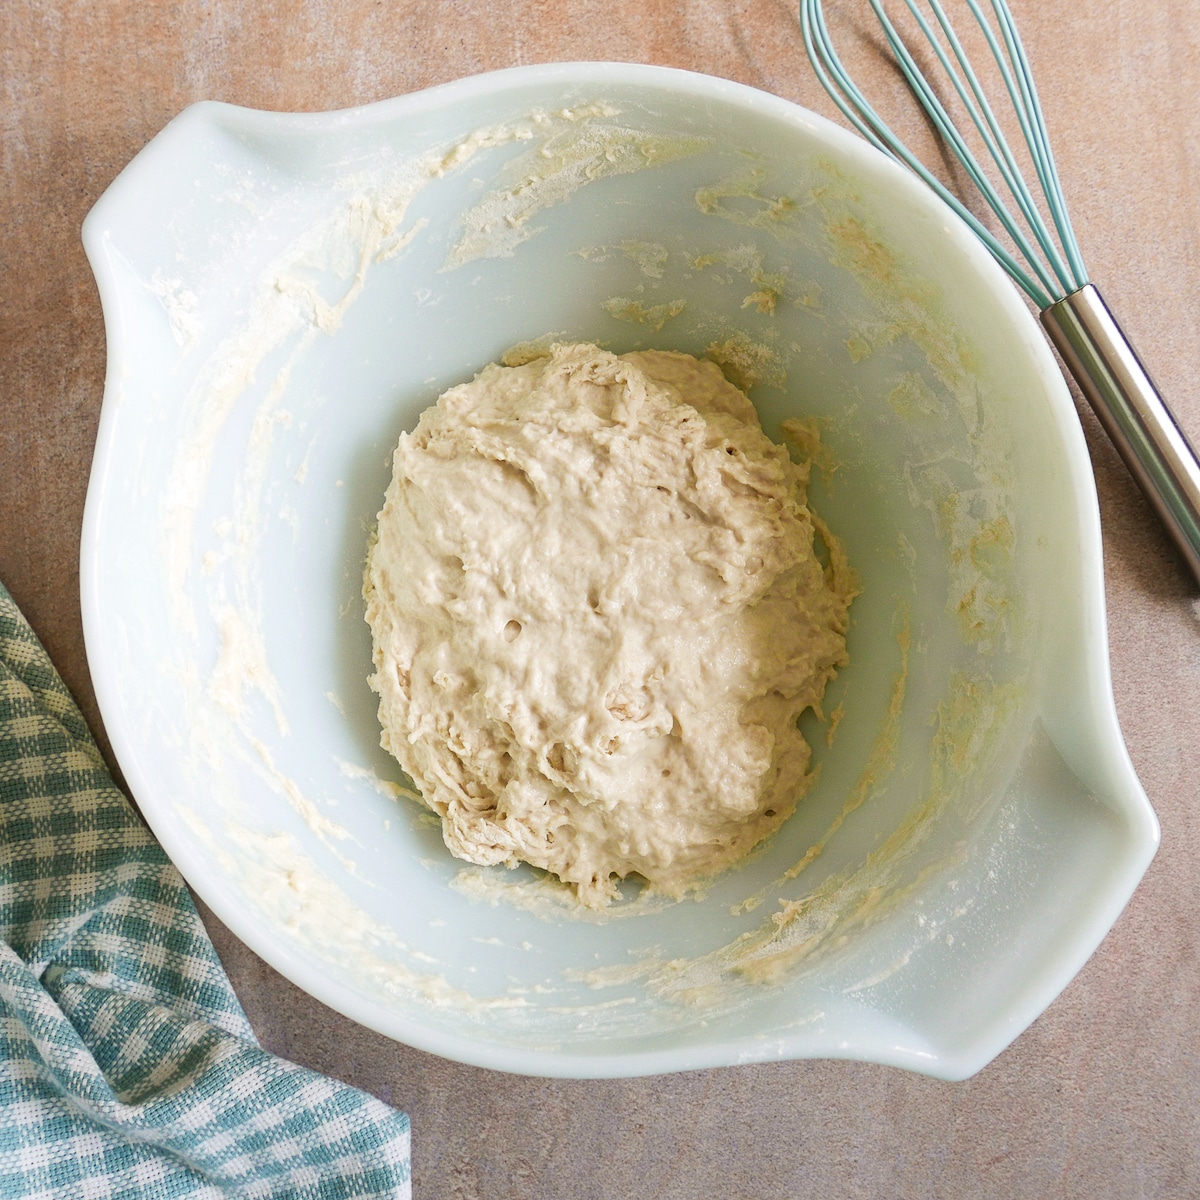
(127, 1067)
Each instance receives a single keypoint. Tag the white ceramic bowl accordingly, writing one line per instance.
(284, 294)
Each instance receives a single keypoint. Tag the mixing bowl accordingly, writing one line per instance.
(284, 294)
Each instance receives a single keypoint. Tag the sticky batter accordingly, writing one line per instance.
(597, 612)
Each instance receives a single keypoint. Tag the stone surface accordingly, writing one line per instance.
(1101, 1097)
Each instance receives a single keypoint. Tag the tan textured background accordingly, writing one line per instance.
(1101, 1097)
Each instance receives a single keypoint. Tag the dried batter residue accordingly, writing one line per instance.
(654, 316)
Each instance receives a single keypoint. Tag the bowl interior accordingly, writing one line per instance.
(284, 296)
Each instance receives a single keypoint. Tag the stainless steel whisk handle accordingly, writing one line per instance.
(1139, 424)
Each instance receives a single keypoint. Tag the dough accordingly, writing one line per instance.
(597, 615)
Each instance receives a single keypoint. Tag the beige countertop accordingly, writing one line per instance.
(1101, 1097)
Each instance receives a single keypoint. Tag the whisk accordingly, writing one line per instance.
(1048, 268)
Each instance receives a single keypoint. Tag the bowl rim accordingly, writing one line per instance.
(1142, 825)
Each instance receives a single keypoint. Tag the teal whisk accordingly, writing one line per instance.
(1047, 264)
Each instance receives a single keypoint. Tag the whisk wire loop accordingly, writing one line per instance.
(983, 117)
(985, 122)
(855, 107)
(976, 104)
(1046, 276)
(1044, 155)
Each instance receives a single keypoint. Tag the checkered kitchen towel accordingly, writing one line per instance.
(127, 1067)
